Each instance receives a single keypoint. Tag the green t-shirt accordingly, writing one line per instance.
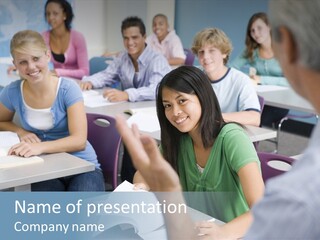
(221, 192)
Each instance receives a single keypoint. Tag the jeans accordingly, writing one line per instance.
(89, 181)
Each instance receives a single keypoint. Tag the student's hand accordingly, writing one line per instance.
(111, 54)
(11, 69)
(85, 85)
(115, 95)
(24, 149)
(140, 186)
(28, 137)
(146, 157)
(209, 230)
(54, 73)
(255, 79)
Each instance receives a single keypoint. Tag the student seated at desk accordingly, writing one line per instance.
(69, 54)
(237, 97)
(51, 113)
(260, 64)
(290, 206)
(139, 69)
(165, 41)
(208, 154)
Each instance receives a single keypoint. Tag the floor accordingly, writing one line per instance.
(290, 144)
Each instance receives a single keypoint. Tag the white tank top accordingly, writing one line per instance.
(41, 119)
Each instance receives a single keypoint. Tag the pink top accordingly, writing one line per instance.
(170, 47)
(76, 64)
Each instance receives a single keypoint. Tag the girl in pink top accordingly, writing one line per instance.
(68, 47)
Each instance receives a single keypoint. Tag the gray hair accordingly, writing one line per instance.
(302, 19)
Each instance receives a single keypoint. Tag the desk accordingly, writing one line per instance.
(54, 166)
(255, 133)
(285, 98)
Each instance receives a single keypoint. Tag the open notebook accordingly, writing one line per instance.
(8, 139)
(129, 225)
(146, 118)
(94, 99)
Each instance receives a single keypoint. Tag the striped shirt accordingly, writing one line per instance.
(152, 68)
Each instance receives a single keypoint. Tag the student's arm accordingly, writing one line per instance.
(248, 106)
(253, 188)
(154, 72)
(239, 62)
(115, 95)
(240, 148)
(6, 118)
(177, 55)
(105, 77)
(75, 141)
(243, 117)
(176, 61)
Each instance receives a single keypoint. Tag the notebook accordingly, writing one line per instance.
(8, 139)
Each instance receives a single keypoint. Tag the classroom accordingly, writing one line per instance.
(216, 104)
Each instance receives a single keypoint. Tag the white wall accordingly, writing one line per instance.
(100, 20)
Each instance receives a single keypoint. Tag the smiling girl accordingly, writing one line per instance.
(51, 113)
(208, 154)
(259, 56)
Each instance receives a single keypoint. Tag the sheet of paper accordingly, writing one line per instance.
(147, 110)
(93, 99)
(14, 161)
(146, 122)
(126, 186)
(89, 93)
(8, 139)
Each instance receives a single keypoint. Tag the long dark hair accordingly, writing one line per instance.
(67, 9)
(251, 44)
(190, 80)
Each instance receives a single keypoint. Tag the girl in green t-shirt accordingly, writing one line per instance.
(210, 156)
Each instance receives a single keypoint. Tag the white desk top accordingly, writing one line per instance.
(284, 98)
(54, 166)
(255, 133)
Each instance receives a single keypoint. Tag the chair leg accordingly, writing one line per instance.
(278, 133)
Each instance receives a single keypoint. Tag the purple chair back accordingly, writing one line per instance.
(105, 139)
(261, 101)
(267, 170)
(189, 57)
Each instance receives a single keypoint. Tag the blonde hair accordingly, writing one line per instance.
(215, 37)
(27, 41)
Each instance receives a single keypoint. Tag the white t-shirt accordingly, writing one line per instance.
(41, 119)
(235, 92)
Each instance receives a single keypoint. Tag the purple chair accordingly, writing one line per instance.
(267, 170)
(189, 57)
(105, 139)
